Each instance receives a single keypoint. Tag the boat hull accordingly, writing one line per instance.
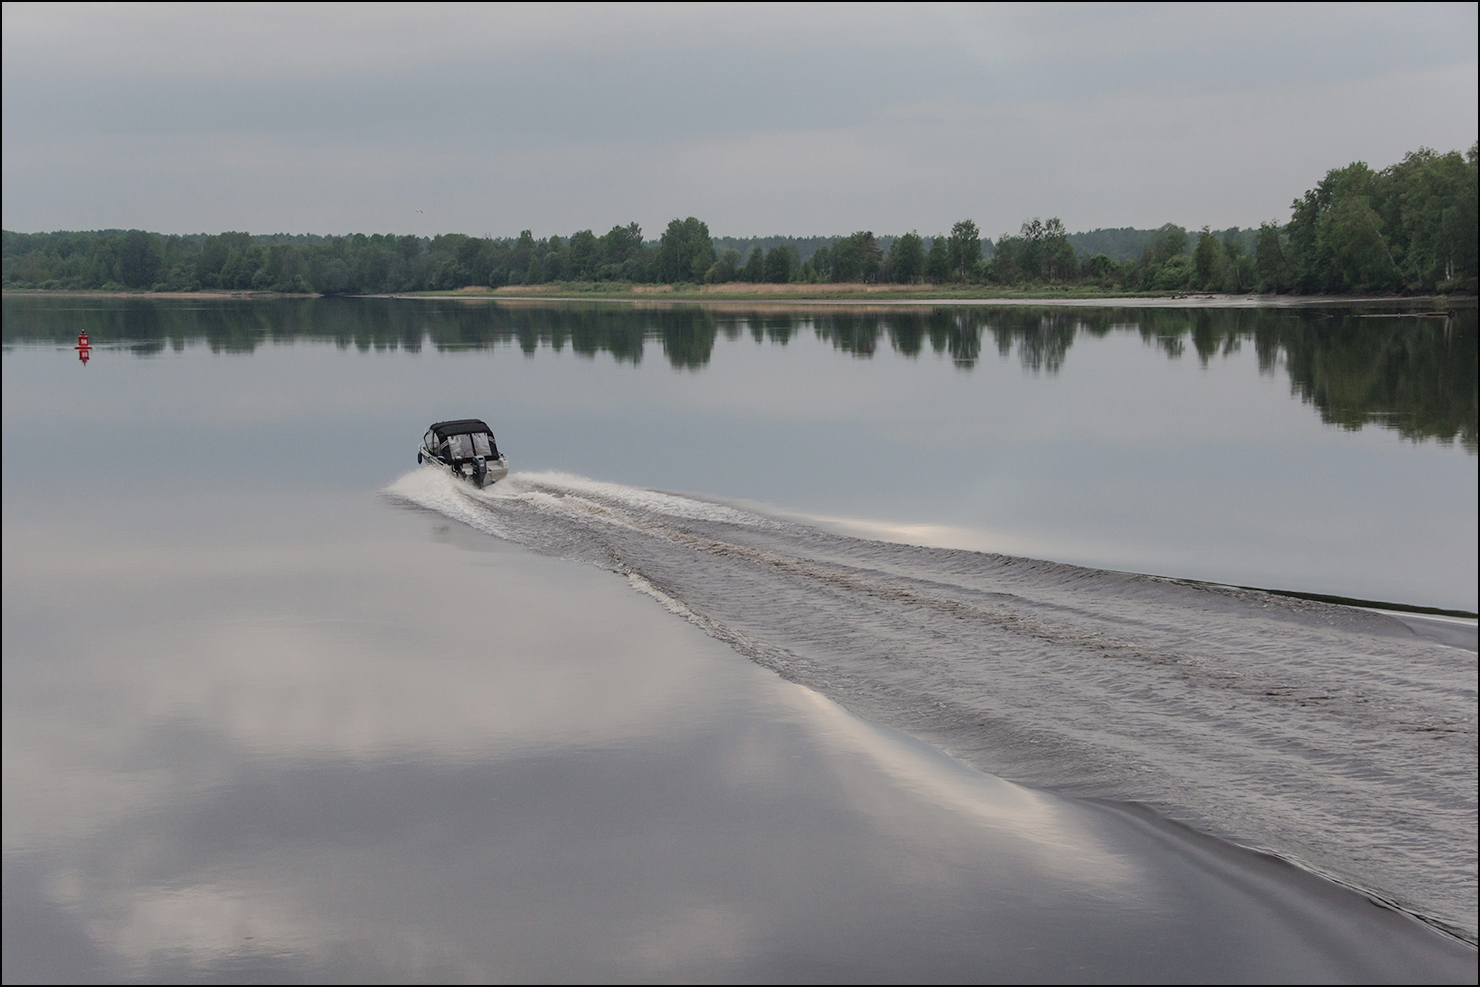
(496, 469)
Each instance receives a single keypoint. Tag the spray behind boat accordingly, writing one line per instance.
(466, 448)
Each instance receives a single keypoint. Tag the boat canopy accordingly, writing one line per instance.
(464, 426)
(466, 438)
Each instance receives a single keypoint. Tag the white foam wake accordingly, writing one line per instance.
(1332, 736)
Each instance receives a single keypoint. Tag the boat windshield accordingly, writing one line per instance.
(470, 444)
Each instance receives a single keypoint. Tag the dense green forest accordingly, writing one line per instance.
(1411, 227)
(1123, 244)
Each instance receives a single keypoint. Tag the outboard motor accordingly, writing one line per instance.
(480, 471)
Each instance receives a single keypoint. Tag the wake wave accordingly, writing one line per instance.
(1331, 736)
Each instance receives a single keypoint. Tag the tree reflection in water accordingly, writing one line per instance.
(1413, 371)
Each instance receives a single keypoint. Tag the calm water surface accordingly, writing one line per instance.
(276, 704)
(1329, 451)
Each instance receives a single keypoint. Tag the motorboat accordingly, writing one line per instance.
(466, 449)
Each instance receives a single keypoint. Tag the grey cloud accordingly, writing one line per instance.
(762, 119)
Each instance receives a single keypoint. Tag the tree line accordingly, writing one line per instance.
(1407, 228)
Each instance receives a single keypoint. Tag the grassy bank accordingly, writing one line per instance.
(744, 291)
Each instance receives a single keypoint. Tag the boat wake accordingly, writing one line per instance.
(1331, 736)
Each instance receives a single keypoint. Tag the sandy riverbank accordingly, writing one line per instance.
(904, 295)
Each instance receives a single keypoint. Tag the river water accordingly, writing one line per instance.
(1018, 535)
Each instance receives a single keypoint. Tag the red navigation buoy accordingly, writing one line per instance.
(83, 348)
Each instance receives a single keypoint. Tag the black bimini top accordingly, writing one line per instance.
(464, 439)
(463, 426)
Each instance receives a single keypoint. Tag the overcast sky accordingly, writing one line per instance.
(757, 119)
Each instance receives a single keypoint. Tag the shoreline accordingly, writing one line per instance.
(99, 293)
(871, 295)
(1095, 301)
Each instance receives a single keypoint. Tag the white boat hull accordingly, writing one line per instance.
(496, 469)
